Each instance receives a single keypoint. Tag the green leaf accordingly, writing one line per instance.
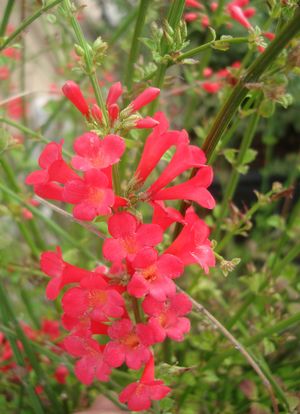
(266, 108)
(249, 156)
(230, 155)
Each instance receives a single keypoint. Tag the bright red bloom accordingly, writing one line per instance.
(192, 244)
(165, 216)
(93, 152)
(157, 143)
(190, 17)
(186, 157)
(211, 86)
(72, 91)
(130, 344)
(93, 297)
(61, 272)
(114, 94)
(138, 395)
(144, 98)
(54, 169)
(83, 326)
(194, 189)
(153, 274)
(61, 374)
(146, 122)
(166, 318)
(91, 364)
(193, 3)
(129, 236)
(91, 195)
(235, 10)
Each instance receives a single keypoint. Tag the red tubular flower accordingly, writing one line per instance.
(93, 152)
(72, 91)
(61, 374)
(93, 297)
(143, 99)
(165, 216)
(129, 236)
(90, 194)
(91, 364)
(190, 17)
(96, 113)
(83, 326)
(185, 157)
(166, 318)
(194, 189)
(129, 344)
(54, 168)
(157, 143)
(147, 122)
(193, 3)
(138, 395)
(61, 272)
(211, 86)
(153, 275)
(236, 13)
(114, 94)
(192, 244)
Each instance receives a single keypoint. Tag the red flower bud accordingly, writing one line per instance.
(145, 98)
(73, 92)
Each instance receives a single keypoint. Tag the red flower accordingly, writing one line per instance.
(212, 86)
(95, 298)
(165, 216)
(194, 189)
(93, 152)
(54, 168)
(157, 143)
(91, 195)
(83, 326)
(61, 374)
(129, 236)
(167, 317)
(144, 98)
(186, 157)
(114, 93)
(73, 92)
(153, 275)
(236, 11)
(130, 344)
(61, 272)
(91, 363)
(193, 3)
(192, 244)
(138, 395)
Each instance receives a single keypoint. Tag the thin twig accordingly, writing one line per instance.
(69, 216)
(200, 308)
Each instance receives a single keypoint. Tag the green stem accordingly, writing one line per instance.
(6, 15)
(91, 71)
(174, 16)
(28, 22)
(198, 49)
(253, 74)
(135, 44)
(234, 177)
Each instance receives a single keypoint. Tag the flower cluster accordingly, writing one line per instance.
(132, 303)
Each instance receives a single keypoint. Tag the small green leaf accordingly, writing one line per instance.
(230, 155)
(266, 108)
(249, 156)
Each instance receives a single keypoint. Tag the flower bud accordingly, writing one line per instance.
(73, 92)
(144, 98)
(147, 122)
